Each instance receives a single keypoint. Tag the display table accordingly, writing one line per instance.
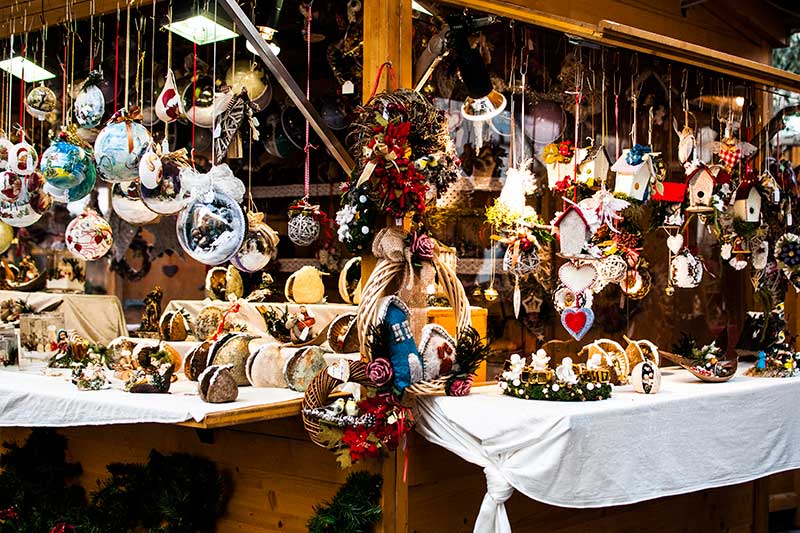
(93, 316)
(633, 447)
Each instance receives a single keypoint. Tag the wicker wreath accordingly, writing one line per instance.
(320, 389)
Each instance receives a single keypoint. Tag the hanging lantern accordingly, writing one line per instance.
(40, 102)
(22, 158)
(67, 162)
(168, 195)
(29, 206)
(126, 202)
(260, 245)
(6, 237)
(120, 146)
(90, 104)
(211, 228)
(89, 236)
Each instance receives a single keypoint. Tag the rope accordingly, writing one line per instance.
(116, 64)
(307, 148)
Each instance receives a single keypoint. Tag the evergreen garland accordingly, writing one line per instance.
(561, 392)
(354, 509)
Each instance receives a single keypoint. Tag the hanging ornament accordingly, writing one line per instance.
(126, 202)
(22, 158)
(577, 321)
(89, 236)
(787, 254)
(169, 105)
(10, 186)
(90, 104)
(521, 259)
(67, 162)
(303, 223)
(686, 270)
(637, 283)
(29, 206)
(168, 195)
(205, 104)
(6, 237)
(229, 123)
(150, 167)
(250, 75)
(5, 150)
(40, 102)
(259, 247)
(120, 146)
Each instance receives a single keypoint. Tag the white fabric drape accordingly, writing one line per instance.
(633, 447)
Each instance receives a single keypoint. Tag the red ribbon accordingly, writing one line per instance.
(233, 309)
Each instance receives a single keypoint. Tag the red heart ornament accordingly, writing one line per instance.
(577, 321)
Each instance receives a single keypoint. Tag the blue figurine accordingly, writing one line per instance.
(762, 360)
(404, 355)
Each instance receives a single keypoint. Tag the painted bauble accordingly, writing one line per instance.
(126, 202)
(31, 203)
(6, 236)
(5, 151)
(89, 236)
(40, 101)
(260, 245)
(168, 196)
(22, 158)
(118, 149)
(89, 107)
(79, 192)
(646, 378)
(10, 186)
(150, 169)
(65, 165)
(211, 228)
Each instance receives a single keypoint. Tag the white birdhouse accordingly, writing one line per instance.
(701, 187)
(594, 164)
(557, 172)
(747, 205)
(573, 231)
(633, 180)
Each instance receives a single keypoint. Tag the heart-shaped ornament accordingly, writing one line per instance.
(169, 270)
(675, 243)
(577, 321)
(577, 278)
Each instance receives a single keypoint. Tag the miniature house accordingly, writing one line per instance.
(633, 180)
(594, 164)
(557, 172)
(747, 203)
(573, 231)
(701, 187)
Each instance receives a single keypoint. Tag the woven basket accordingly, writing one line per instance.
(320, 389)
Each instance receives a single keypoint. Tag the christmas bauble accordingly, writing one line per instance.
(22, 158)
(168, 196)
(6, 236)
(10, 186)
(79, 192)
(65, 165)
(303, 229)
(150, 169)
(31, 203)
(686, 270)
(127, 203)
(89, 236)
(211, 228)
(119, 148)
(5, 150)
(41, 101)
(259, 247)
(250, 75)
(90, 104)
(646, 378)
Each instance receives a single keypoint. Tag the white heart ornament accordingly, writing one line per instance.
(675, 243)
(577, 278)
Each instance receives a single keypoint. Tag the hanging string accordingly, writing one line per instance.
(169, 65)
(22, 88)
(116, 63)
(214, 130)
(523, 76)
(91, 36)
(152, 62)
(194, 98)
(127, 52)
(617, 87)
(64, 67)
(307, 173)
(71, 70)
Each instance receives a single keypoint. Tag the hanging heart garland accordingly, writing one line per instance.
(577, 278)
(577, 321)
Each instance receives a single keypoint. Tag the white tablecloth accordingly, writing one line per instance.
(34, 399)
(96, 317)
(633, 447)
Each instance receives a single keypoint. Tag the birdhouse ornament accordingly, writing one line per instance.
(573, 231)
(700, 185)
(593, 165)
(634, 170)
(747, 202)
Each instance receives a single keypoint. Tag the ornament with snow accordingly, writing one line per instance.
(573, 231)
(747, 202)
(700, 183)
(686, 270)
(633, 178)
(593, 166)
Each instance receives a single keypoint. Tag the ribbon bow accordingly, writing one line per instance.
(127, 115)
(636, 154)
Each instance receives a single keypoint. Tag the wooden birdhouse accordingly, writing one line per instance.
(557, 172)
(573, 231)
(633, 180)
(700, 182)
(747, 203)
(593, 165)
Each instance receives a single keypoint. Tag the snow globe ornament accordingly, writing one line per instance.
(67, 162)
(88, 236)
(90, 104)
(22, 158)
(40, 102)
(167, 196)
(260, 245)
(30, 204)
(211, 228)
(120, 146)
(126, 202)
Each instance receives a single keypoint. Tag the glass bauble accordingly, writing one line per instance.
(6, 236)
(211, 228)
(168, 196)
(126, 202)
(22, 158)
(41, 100)
(29, 206)
(65, 165)
(89, 236)
(118, 149)
(259, 247)
(90, 104)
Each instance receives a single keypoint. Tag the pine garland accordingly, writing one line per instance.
(579, 392)
(354, 509)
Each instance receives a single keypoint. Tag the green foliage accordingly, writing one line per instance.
(470, 351)
(354, 509)
(578, 392)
